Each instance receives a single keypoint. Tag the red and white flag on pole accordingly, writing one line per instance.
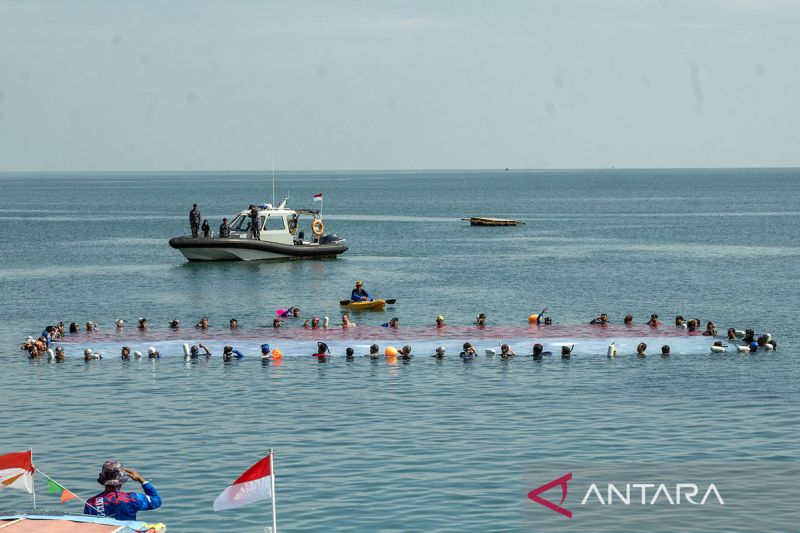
(252, 486)
(16, 471)
(318, 197)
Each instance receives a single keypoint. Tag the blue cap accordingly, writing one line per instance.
(265, 348)
(753, 346)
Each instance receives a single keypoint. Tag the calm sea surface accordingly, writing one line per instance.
(425, 446)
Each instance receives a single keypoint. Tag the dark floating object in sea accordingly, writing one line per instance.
(488, 221)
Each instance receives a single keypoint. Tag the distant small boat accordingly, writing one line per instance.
(24, 523)
(489, 221)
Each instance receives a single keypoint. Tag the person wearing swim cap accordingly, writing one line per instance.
(194, 351)
(359, 294)
(537, 319)
(374, 351)
(439, 321)
(506, 351)
(440, 351)
(114, 503)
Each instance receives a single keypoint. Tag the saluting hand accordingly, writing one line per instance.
(136, 476)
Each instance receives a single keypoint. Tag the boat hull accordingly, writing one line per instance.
(216, 249)
(375, 305)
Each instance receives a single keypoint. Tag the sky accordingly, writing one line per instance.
(312, 85)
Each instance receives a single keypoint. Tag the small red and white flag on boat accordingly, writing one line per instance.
(318, 197)
(16, 471)
(254, 485)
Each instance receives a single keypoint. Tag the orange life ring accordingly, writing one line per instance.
(317, 227)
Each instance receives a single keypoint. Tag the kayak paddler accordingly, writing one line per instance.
(359, 294)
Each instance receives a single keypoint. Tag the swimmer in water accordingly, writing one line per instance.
(641, 349)
(439, 353)
(393, 323)
(229, 353)
(349, 354)
(234, 323)
(374, 351)
(174, 323)
(749, 336)
(653, 322)
(152, 353)
(194, 351)
(405, 353)
(276, 323)
(666, 350)
(346, 323)
(90, 326)
(506, 351)
(125, 353)
(566, 352)
(74, 327)
(143, 324)
(548, 321)
(628, 321)
(602, 319)
(468, 352)
(315, 322)
(731, 334)
(711, 330)
(89, 355)
(322, 351)
(119, 323)
(440, 321)
(680, 322)
(481, 320)
(537, 319)
(202, 323)
(537, 352)
(60, 355)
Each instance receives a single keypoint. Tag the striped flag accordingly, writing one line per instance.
(252, 486)
(318, 197)
(16, 471)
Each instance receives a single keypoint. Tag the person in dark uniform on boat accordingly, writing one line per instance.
(359, 294)
(224, 229)
(194, 220)
(206, 227)
(255, 231)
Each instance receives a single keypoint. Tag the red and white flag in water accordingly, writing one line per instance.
(318, 197)
(16, 471)
(252, 486)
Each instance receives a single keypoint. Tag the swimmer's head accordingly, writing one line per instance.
(440, 350)
(665, 350)
(194, 350)
(374, 349)
(265, 349)
(349, 352)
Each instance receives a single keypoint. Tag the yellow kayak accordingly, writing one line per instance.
(360, 306)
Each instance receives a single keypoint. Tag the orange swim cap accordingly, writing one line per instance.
(390, 351)
(277, 354)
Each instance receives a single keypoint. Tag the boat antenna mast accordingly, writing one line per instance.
(273, 181)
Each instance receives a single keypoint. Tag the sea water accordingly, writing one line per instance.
(427, 445)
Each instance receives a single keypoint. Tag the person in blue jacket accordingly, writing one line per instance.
(114, 503)
(359, 294)
(228, 353)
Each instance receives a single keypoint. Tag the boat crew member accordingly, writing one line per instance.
(206, 229)
(224, 229)
(194, 220)
(114, 503)
(359, 294)
(255, 231)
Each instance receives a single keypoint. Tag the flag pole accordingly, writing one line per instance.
(272, 478)
(273, 183)
(33, 482)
